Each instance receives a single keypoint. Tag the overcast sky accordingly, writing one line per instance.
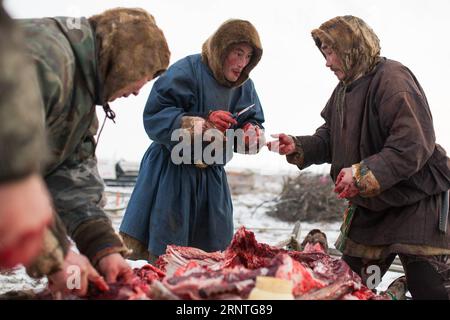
(292, 81)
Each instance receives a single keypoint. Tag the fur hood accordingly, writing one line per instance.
(353, 41)
(216, 48)
(130, 46)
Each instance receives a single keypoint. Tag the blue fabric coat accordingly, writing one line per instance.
(182, 204)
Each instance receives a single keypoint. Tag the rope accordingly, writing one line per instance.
(108, 114)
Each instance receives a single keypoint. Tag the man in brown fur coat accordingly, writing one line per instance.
(378, 136)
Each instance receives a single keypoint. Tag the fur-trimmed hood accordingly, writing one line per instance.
(354, 42)
(130, 46)
(216, 48)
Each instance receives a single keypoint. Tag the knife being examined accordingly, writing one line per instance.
(237, 114)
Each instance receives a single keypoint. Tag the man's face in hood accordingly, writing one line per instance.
(354, 48)
(236, 60)
(333, 61)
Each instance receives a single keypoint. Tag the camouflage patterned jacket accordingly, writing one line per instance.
(64, 53)
(23, 147)
(22, 133)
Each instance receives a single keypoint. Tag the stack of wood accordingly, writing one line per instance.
(308, 197)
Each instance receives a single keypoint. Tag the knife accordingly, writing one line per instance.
(443, 214)
(237, 114)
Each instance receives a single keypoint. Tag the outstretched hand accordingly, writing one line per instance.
(285, 144)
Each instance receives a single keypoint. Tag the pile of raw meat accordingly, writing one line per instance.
(190, 273)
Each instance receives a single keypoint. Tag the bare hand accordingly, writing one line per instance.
(64, 282)
(345, 184)
(285, 145)
(25, 213)
(253, 137)
(222, 120)
(113, 267)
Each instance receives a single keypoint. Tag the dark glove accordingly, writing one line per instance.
(221, 120)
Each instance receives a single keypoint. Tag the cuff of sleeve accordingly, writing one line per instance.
(123, 250)
(50, 260)
(194, 125)
(365, 181)
(298, 157)
(96, 238)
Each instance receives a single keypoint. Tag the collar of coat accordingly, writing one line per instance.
(216, 48)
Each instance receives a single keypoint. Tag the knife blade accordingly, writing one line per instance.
(237, 114)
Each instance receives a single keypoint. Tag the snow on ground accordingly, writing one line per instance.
(17, 279)
(250, 209)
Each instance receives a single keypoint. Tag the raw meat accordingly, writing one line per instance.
(195, 274)
(190, 273)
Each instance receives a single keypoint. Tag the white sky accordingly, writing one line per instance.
(292, 81)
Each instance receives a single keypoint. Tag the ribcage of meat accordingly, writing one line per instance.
(195, 274)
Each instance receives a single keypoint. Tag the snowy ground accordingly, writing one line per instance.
(249, 211)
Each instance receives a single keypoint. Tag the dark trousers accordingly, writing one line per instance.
(427, 277)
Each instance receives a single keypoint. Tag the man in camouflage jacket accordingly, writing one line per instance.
(82, 63)
(22, 144)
